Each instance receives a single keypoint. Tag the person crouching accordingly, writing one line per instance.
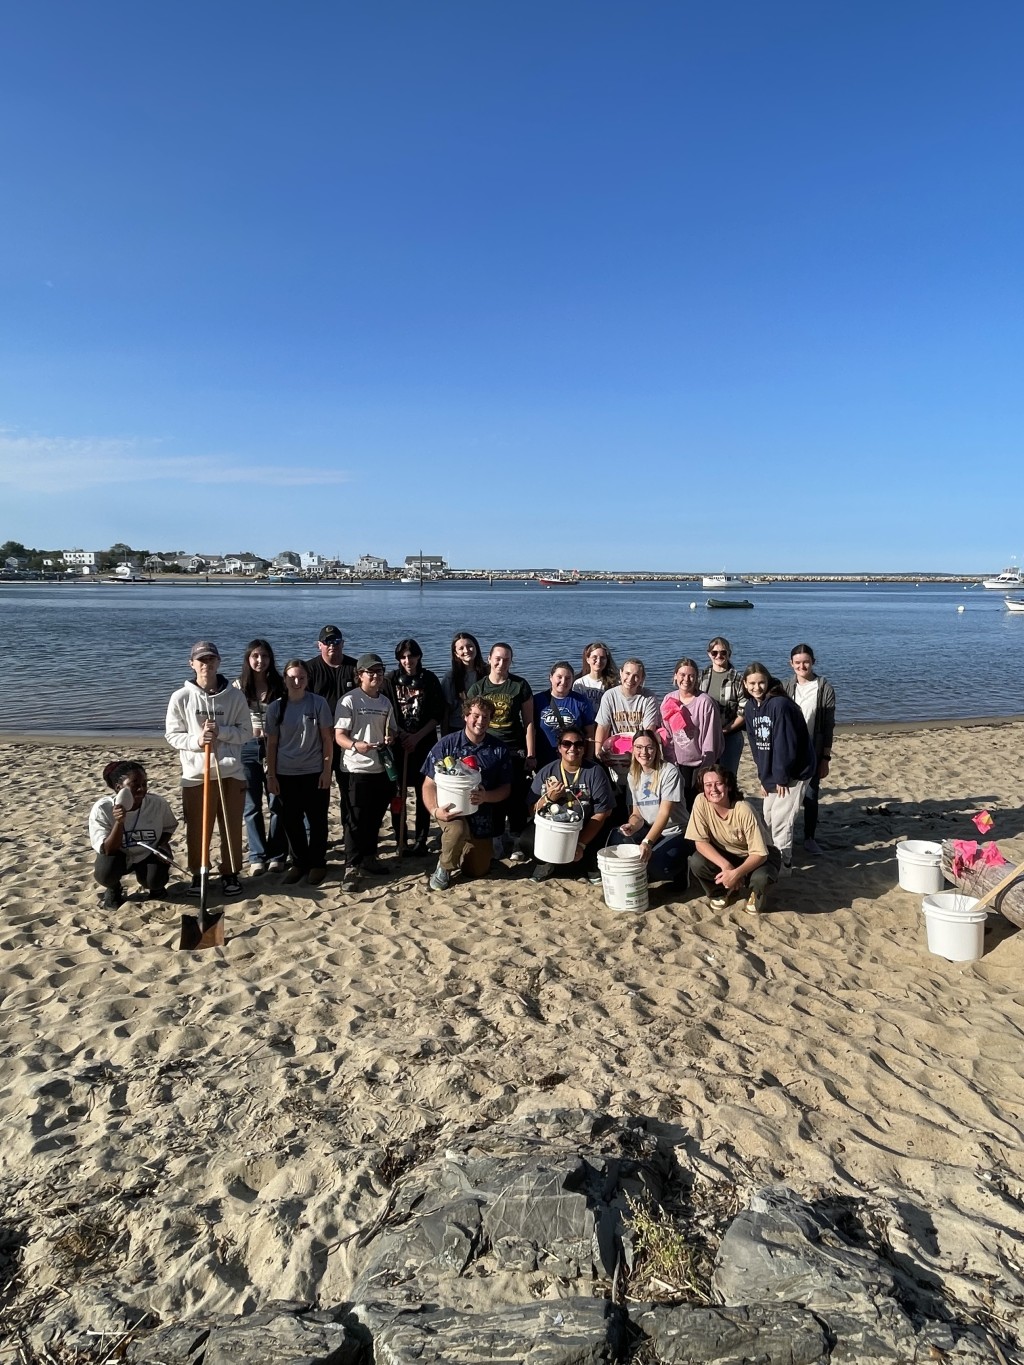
(121, 827)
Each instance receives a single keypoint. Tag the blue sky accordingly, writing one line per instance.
(659, 285)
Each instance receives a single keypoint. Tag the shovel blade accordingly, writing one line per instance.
(196, 934)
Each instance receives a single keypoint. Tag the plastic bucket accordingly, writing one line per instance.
(554, 842)
(453, 790)
(920, 864)
(623, 877)
(956, 930)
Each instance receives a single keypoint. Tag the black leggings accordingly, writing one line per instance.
(152, 872)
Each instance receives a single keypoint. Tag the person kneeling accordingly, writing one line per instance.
(657, 810)
(732, 852)
(572, 781)
(466, 840)
(130, 832)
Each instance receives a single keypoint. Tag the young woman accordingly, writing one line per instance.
(120, 826)
(658, 815)
(300, 750)
(782, 752)
(598, 673)
(467, 668)
(261, 683)
(731, 852)
(693, 726)
(558, 707)
(420, 706)
(816, 698)
(724, 685)
(571, 776)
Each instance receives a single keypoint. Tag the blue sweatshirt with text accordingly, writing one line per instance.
(779, 743)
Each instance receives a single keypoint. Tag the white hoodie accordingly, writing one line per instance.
(188, 708)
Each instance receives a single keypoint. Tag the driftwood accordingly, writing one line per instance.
(980, 881)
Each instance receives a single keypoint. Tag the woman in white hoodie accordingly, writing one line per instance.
(209, 711)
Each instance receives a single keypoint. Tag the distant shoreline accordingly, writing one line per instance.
(623, 578)
(134, 741)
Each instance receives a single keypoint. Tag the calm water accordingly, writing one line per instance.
(94, 658)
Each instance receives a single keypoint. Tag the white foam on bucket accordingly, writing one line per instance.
(453, 790)
(623, 877)
(920, 865)
(956, 929)
(554, 842)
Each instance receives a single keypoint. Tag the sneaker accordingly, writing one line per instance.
(518, 856)
(786, 869)
(230, 885)
(812, 847)
(755, 903)
(316, 875)
(293, 875)
(113, 896)
(718, 902)
(594, 878)
(257, 869)
(541, 872)
(440, 879)
(351, 881)
(277, 865)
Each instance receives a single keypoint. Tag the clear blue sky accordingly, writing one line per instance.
(652, 285)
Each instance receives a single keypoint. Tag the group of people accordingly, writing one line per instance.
(659, 774)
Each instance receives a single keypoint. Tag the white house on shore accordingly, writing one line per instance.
(371, 566)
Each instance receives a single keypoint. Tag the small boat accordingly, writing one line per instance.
(722, 582)
(409, 582)
(1014, 604)
(560, 580)
(124, 573)
(734, 602)
(1010, 577)
(284, 576)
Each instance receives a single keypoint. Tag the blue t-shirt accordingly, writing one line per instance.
(553, 715)
(494, 762)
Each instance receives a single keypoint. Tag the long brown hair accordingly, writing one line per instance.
(609, 675)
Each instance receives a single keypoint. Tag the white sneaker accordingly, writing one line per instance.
(718, 902)
(257, 869)
(519, 856)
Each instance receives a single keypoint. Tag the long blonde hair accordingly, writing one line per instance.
(635, 770)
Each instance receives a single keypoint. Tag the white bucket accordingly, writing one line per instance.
(956, 929)
(920, 864)
(453, 790)
(554, 842)
(623, 877)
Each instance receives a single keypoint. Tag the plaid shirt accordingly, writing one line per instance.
(734, 697)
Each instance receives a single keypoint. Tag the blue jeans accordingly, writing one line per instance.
(261, 847)
(733, 751)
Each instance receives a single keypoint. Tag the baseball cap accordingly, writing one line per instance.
(368, 661)
(204, 649)
(330, 635)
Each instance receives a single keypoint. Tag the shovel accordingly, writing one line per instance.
(206, 930)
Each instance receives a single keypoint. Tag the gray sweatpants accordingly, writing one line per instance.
(780, 814)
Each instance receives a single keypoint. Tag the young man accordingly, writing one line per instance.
(331, 674)
(209, 711)
(513, 725)
(572, 778)
(466, 840)
(364, 724)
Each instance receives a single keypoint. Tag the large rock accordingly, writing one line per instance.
(563, 1332)
(520, 1206)
(682, 1334)
(781, 1250)
(267, 1338)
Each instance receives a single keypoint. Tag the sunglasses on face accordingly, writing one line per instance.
(572, 744)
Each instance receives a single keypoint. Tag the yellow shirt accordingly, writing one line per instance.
(738, 832)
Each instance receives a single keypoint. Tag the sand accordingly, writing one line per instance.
(211, 1129)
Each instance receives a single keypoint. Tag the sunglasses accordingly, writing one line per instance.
(719, 653)
(572, 744)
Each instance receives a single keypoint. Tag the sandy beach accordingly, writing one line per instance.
(213, 1127)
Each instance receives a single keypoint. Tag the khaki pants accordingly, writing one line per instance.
(229, 822)
(459, 848)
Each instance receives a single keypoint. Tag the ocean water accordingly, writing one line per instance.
(98, 658)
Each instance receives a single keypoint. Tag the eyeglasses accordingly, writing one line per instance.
(572, 744)
(372, 671)
(644, 749)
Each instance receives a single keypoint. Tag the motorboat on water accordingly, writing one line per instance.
(1014, 604)
(559, 580)
(721, 582)
(1010, 577)
(714, 603)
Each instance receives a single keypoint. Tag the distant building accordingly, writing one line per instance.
(312, 562)
(287, 559)
(244, 564)
(79, 558)
(430, 564)
(371, 565)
